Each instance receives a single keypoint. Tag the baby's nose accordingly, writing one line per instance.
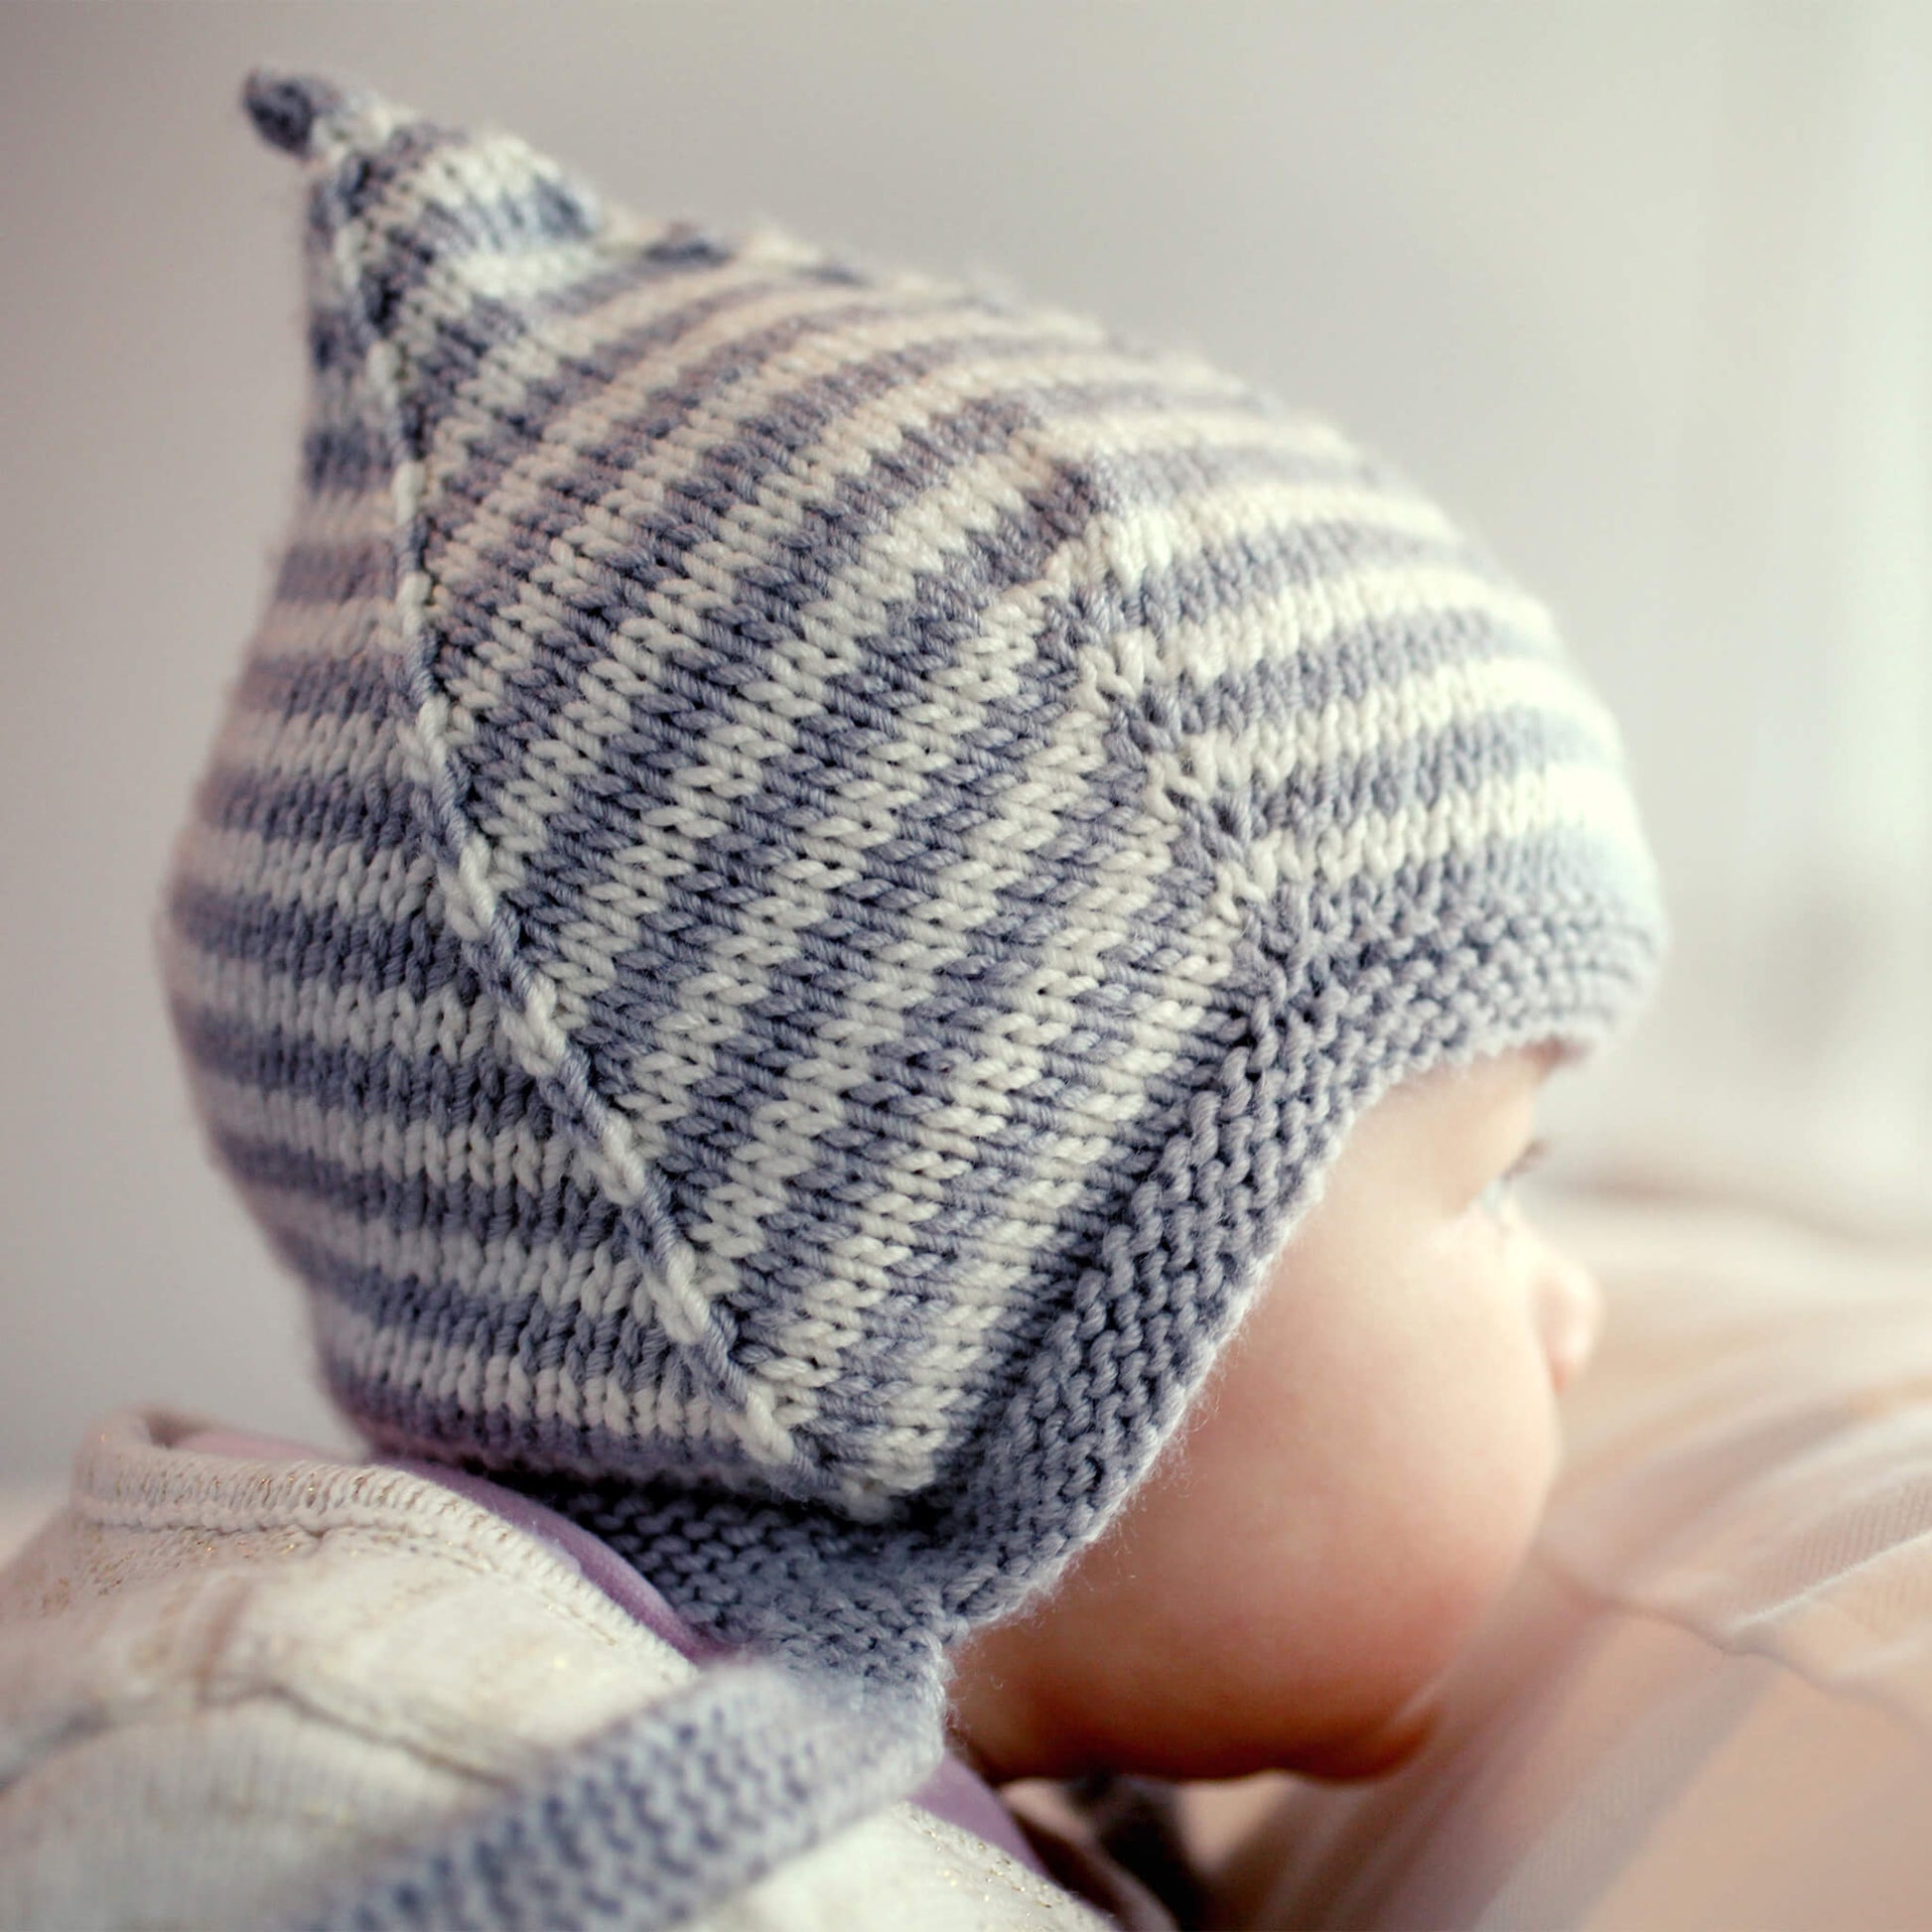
(1568, 1315)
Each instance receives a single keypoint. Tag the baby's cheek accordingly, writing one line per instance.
(1491, 1493)
(1334, 1619)
(1444, 1523)
(1460, 1564)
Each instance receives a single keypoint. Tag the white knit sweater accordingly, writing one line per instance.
(226, 1683)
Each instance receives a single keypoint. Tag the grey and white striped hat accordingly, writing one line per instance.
(808, 866)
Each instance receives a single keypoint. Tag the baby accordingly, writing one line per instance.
(883, 962)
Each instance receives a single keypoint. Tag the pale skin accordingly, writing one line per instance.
(1349, 1495)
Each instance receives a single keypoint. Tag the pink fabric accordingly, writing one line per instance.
(623, 1583)
(954, 1792)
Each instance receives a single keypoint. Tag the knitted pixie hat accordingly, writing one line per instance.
(809, 866)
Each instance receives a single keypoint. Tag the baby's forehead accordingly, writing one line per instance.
(1454, 1123)
(1494, 1078)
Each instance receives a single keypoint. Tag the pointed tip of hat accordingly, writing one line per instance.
(286, 108)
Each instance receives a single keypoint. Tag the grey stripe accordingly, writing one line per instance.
(395, 882)
(1301, 680)
(329, 950)
(346, 745)
(387, 1084)
(310, 684)
(425, 1413)
(317, 811)
(393, 1205)
(334, 573)
(209, 988)
(341, 456)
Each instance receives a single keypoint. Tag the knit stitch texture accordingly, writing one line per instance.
(810, 864)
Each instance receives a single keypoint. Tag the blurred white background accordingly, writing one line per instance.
(1641, 292)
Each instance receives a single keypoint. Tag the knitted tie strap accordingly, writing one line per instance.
(663, 1815)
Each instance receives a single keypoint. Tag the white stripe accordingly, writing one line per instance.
(1303, 618)
(1587, 797)
(375, 1142)
(351, 629)
(357, 748)
(389, 885)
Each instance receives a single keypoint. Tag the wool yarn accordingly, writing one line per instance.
(808, 865)
(651, 1821)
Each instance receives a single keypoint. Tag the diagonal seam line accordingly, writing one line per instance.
(527, 997)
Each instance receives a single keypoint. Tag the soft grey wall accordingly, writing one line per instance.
(1639, 291)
